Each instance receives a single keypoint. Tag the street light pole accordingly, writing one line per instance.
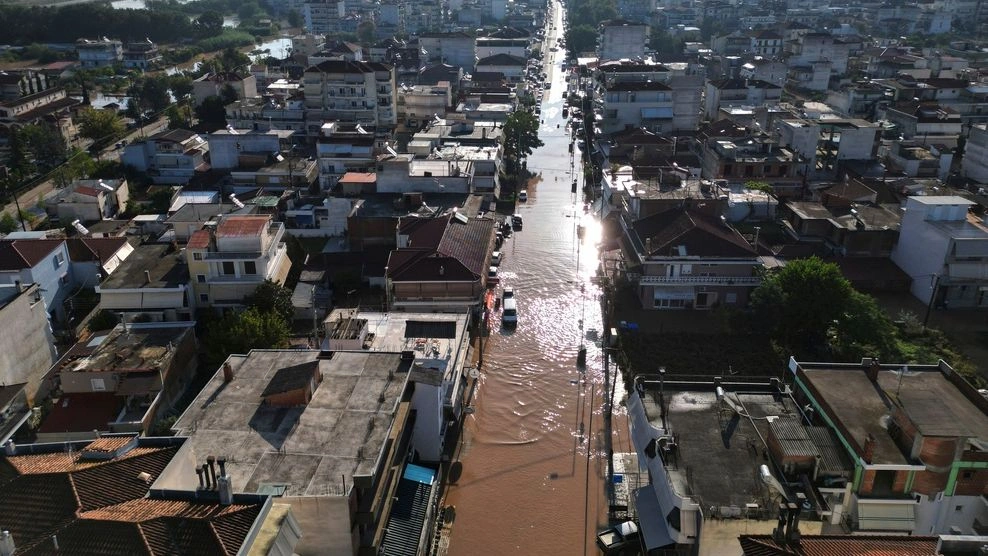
(933, 298)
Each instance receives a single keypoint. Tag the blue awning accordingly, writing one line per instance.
(651, 522)
(419, 474)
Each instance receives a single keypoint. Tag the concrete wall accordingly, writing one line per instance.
(921, 250)
(326, 525)
(27, 349)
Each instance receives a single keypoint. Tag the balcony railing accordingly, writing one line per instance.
(701, 280)
(230, 255)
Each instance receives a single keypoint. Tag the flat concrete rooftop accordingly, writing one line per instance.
(719, 453)
(310, 450)
(933, 403)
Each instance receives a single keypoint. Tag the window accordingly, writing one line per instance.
(97, 384)
(58, 260)
(958, 508)
(197, 256)
(204, 297)
(967, 474)
(228, 268)
(250, 267)
(201, 278)
(731, 298)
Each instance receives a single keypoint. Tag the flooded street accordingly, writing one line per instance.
(533, 453)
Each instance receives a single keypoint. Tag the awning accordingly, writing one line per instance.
(651, 522)
(886, 515)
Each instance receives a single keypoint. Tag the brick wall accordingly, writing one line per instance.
(938, 452)
(929, 483)
(973, 482)
(293, 398)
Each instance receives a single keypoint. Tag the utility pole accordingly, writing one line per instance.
(933, 299)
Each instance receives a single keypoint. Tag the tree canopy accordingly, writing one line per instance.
(590, 12)
(521, 134)
(242, 332)
(273, 298)
(581, 39)
(100, 126)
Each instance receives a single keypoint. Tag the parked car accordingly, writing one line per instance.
(516, 221)
(523, 195)
(507, 293)
(492, 278)
(496, 258)
(509, 315)
(614, 540)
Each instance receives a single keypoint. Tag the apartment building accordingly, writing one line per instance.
(944, 248)
(356, 92)
(229, 259)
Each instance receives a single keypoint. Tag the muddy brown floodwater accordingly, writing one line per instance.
(533, 452)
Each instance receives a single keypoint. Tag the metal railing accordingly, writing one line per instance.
(702, 280)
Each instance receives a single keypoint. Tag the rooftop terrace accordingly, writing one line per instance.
(313, 450)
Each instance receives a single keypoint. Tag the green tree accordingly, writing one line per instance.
(176, 120)
(581, 39)
(273, 298)
(232, 59)
(100, 126)
(212, 111)
(366, 31)
(799, 305)
(248, 10)
(181, 85)
(294, 18)
(520, 135)
(209, 24)
(19, 156)
(45, 145)
(151, 91)
(228, 94)
(864, 329)
(78, 165)
(242, 332)
(8, 223)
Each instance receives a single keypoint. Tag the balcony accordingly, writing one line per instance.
(700, 280)
(233, 255)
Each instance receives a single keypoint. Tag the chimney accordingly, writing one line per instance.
(227, 372)
(7, 547)
(147, 276)
(792, 520)
(10, 448)
(873, 370)
(224, 484)
(211, 461)
(202, 485)
(205, 476)
(779, 533)
(869, 448)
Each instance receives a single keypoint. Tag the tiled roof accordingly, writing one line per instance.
(699, 234)
(841, 545)
(236, 226)
(468, 243)
(442, 249)
(198, 240)
(42, 493)
(359, 177)
(86, 190)
(18, 254)
(99, 249)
